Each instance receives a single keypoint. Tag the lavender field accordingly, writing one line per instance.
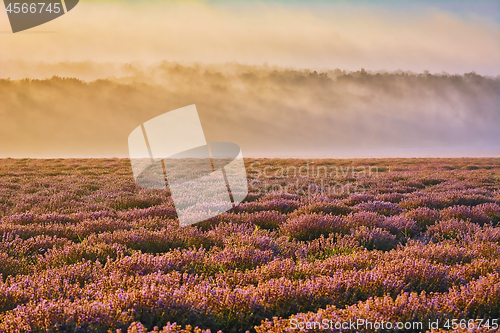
(83, 249)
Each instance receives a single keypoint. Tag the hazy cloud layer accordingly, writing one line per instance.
(268, 111)
(300, 35)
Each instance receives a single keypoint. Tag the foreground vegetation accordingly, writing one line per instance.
(84, 249)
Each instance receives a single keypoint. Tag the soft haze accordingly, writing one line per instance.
(391, 35)
(268, 111)
(279, 78)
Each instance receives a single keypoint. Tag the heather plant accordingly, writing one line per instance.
(418, 199)
(264, 219)
(492, 210)
(374, 238)
(358, 198)
(424, 216)
(324, 206)
(335, 244)
(393, 197)
(464, 213)
(83, 249)
(368, 219)
(401, 226)
(379, 207)
(278, 204)
(452, 229)
(407, 306)
(311, 226)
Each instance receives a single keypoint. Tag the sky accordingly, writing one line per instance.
(249, 67)
(450, 36)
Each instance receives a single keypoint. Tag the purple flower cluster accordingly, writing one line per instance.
(82, 249)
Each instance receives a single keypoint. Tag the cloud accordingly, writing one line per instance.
(315, 36)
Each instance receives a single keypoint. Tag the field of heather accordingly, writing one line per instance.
(83, 249)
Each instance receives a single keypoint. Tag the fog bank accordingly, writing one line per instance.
(268, 111)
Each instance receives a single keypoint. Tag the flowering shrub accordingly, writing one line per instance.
(424, 216)
(82, 249)
(375, 238)
(311, 226)
(327, 207)
(492, 210)
(380, 207)
(452, 229)
(464, 213)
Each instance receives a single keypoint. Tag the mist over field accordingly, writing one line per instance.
(268, 111)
